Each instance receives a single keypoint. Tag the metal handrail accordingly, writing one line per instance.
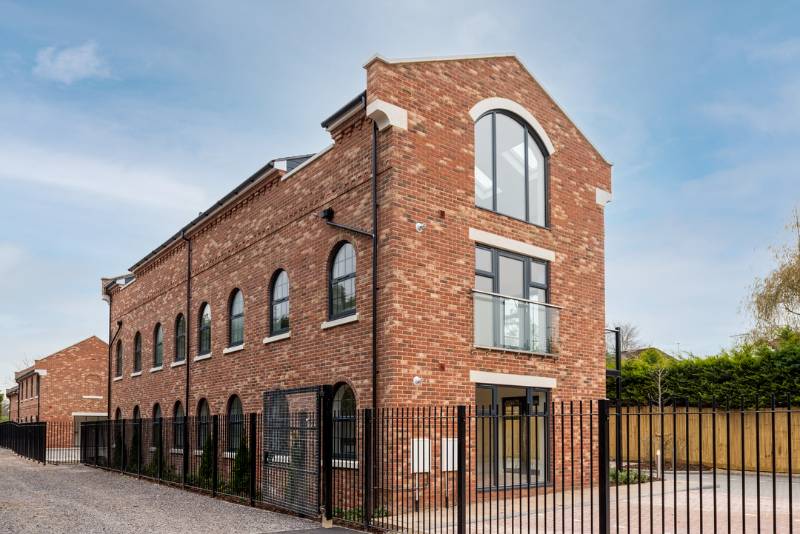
(489, 293)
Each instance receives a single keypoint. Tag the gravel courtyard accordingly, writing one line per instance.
(36, 498)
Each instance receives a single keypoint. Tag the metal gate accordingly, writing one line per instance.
(291, 445)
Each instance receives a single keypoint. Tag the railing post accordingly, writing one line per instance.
(461, 480)
(139, 448)
(185, 431)
(96, 444)
(603, 453)
(160, 448)
(122, 453)
(252, 437)
(215, 453)
(367, 468)
(327, 451)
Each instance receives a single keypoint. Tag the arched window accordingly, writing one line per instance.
(156, 438)
(277, 405)
(343, 282)
(510, 167)
(137, 414)
(118, 365)
(178, 419)
(204, 333)
(279, 300)
(158, 346)
(137, 352)
(344, 423)
(236, 319)
(118, 414)
(203, 425)
(235, 424)
(180, 338)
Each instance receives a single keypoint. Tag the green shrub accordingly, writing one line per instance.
(624, 477)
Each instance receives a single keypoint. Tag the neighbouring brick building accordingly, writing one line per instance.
(489, 206)
(67, 386)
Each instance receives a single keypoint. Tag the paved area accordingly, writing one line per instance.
(63, 498)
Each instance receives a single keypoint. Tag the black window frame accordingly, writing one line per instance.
(201, 328)
(158, 346)
(180, 339)
(545, 155)
(527, 282)
(332, 281)
(495, 413)
(235, 426)
(203, 423)
(157, 423)
(178, 423)
(277, 301)
(232, 317)
(118, 360)
(344, 427)
(137, 352)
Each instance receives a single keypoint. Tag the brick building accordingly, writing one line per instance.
(487, 287)
(67, 386)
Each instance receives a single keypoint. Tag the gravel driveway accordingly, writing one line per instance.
(35, 498)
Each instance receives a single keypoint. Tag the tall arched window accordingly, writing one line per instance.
(204, 331)
(510, 167)
(118, 414)
(158, 346)
(235, 423)
(236, 319)
(344, 423)
(118, 366)
(279, 303)
(137, 352)
(343, 281)
(178, 419)
(203, 425)
(180, 338)
(137, 414)
(156, 438)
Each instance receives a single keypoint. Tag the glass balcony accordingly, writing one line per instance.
(515, 324)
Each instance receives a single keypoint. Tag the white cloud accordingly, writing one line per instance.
(137, 185)
(71, 64)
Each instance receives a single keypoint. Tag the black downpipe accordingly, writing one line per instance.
(374, 267)
(188, 339)
(110, 344)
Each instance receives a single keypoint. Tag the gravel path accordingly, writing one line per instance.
(53, 499)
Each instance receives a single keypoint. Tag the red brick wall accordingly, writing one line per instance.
(13, 411)
(67, 377)
(425, 279)
(428, 291)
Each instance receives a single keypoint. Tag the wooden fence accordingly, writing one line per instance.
(713, 437)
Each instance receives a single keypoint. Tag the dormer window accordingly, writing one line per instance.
(510, 168)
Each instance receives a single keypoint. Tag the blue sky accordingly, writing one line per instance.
(119, 122)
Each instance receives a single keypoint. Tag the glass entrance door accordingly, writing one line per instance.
(512, 425)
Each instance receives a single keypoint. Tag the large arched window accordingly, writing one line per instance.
(510, 167)
(235, 423)
(158, 346)
(180, 338)
(137, 414)
(178, 419)
(118, 365)
(343, 281)
(236, 319)
(203, 425)
(344, 423)
(137, 352)
(279, 303)
(204, 331)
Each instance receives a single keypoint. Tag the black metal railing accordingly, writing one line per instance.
(578, 466)
(25, 439)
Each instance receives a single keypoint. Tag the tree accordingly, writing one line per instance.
(629, 336)
(775, 300)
